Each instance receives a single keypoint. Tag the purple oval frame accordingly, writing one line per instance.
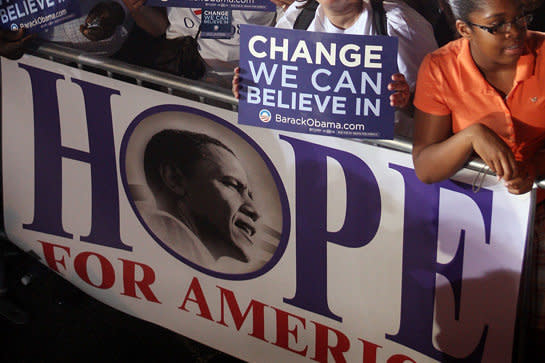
(286, 219)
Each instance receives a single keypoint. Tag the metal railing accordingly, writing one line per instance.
(205, 92)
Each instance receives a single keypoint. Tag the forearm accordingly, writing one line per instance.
(152, 20)
(12, 43)
(441, 160)
(438, 154)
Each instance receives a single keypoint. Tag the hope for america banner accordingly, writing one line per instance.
(269, 245)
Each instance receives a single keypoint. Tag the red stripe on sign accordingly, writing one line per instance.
(197, 11)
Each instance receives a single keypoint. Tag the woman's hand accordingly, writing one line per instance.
(235, 83)
(529, 172)
(438, 154)
(524, 182)
(494, 152)
(402, 94)
(12, 42)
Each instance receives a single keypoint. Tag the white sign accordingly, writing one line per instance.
(268, 245)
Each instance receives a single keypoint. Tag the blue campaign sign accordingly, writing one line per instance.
(216, 24)
(317, 83)
(36, 15)
(255, 5)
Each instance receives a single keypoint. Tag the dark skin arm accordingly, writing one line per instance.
(11, 43)
(438, 153)
(152, 20)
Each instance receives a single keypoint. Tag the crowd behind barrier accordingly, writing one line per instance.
(194, 89)
(161, 40)
(155, 41)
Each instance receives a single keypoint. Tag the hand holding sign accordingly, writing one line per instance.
(402, 94)
(11, 43)
(236, 83)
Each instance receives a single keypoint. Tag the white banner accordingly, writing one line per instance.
(269, 245)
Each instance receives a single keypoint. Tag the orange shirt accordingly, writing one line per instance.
(449, 82)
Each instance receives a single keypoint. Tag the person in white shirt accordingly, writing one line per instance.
(220, 55)
(414, 33)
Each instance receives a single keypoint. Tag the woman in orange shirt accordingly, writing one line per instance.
(484, 94)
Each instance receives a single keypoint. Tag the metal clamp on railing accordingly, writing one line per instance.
(206, 92)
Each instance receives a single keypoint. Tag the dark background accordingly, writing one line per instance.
(66, 325)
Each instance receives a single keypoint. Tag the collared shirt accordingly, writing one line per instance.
(449, 83)
(414, 33)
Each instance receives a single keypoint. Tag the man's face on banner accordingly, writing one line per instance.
(220, 203)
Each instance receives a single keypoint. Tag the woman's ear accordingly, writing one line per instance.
(173, 178)
(463, 29)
